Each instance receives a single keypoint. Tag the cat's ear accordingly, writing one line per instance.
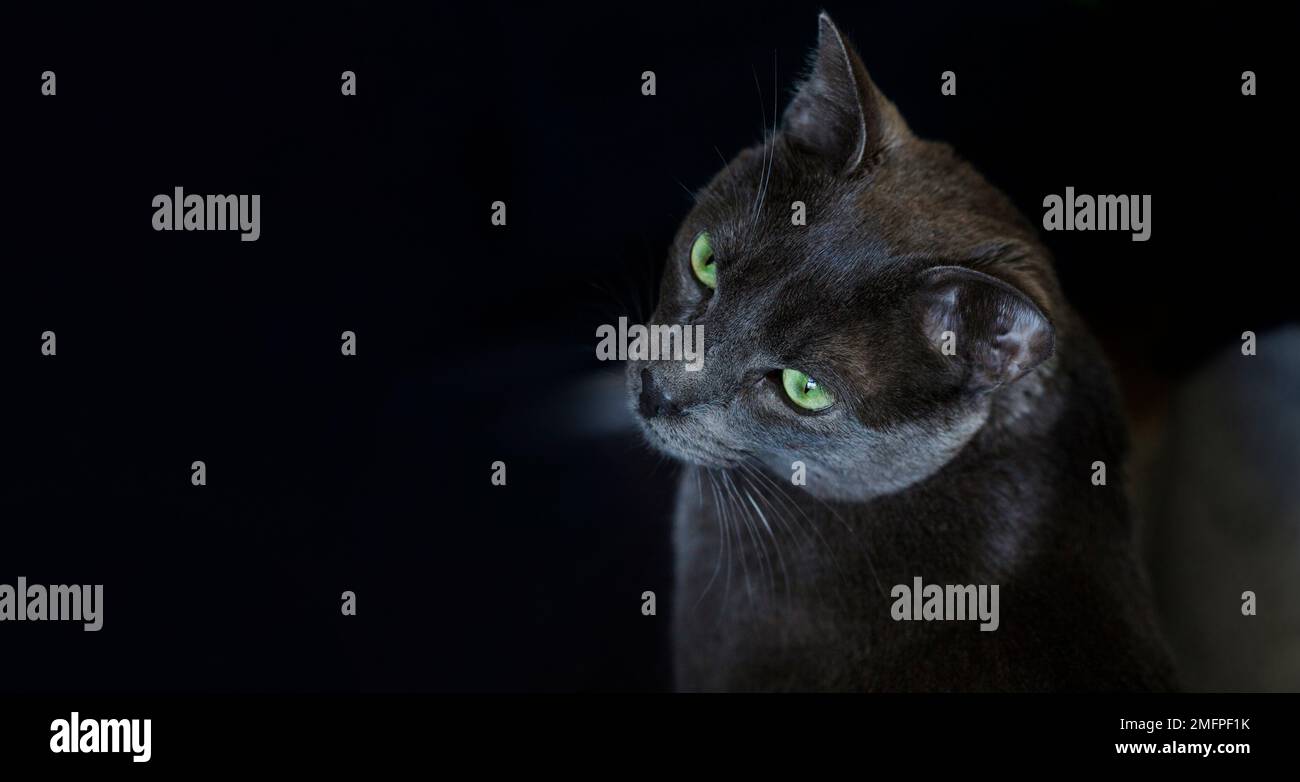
(992, 332)
(837, 112)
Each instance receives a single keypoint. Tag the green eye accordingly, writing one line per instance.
(804, 391)
(702, 261)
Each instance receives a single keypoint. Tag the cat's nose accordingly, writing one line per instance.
(654, 401)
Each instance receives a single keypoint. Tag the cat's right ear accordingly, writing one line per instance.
(991, 332)
(837, 112)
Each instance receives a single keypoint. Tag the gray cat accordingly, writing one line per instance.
(895, 390)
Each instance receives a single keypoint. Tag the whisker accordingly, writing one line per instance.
(732, 185)
(766, 180)
(724, 524)
(776, 544)
(853, 534)
(689, 193)
(792, 531)
(780, 492)
(764, 557)
(762, 108)
(727, 485)
(717, 565)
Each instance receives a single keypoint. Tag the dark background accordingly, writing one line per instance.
(476, 343)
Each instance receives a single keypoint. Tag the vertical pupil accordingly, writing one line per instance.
(809, 384)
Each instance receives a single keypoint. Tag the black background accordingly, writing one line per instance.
(476, 343)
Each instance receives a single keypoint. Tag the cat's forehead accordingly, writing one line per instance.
(784, 223)
(771, 205)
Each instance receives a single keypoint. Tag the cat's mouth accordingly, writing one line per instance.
(687, 442)
(687, 435)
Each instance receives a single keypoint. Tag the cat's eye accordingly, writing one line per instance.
(706, 271)
(804, 391)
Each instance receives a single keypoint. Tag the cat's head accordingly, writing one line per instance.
(869, 342)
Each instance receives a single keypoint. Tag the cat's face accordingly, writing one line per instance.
(856, 343)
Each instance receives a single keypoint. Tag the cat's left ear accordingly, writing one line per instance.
(992, 332)
(837, 112)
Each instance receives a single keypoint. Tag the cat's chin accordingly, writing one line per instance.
(672, 441)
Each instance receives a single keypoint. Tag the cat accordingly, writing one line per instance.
(895, 390)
